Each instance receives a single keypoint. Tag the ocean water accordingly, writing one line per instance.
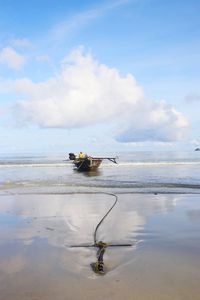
(135, 172)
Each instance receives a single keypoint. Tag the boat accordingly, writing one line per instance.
(88, 163)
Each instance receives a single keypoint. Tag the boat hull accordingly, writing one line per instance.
(87, 164)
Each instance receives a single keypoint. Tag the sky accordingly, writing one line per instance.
(97, 76)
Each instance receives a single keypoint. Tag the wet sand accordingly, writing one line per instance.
(37, 262)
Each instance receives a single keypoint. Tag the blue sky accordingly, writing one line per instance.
(99, 75)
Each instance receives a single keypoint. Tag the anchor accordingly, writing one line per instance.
(99, 267)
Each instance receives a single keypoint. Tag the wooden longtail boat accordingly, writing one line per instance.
(88, 163)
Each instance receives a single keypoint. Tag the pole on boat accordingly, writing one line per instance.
(113, 159)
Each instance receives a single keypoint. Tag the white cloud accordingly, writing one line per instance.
(11, 58)
(155, 121)
(86, 92)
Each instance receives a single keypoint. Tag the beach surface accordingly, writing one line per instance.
(37, 231)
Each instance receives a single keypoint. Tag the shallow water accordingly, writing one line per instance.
(141, 172)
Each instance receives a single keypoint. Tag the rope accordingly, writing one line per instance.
(98, 266)
(101, 221)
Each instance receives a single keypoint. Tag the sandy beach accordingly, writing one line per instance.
(38, 230)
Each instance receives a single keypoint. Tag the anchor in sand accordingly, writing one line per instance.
(99, 267)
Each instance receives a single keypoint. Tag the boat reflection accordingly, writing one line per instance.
(95, 173)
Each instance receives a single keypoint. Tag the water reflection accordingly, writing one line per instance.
(194, 215)
(64, 220)
(95, 173)
(12, 264)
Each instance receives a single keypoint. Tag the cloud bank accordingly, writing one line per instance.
(86, 92)
(155, 121)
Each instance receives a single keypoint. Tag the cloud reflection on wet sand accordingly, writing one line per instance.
(37, 231)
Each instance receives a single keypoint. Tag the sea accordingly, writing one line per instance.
(135, 172)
